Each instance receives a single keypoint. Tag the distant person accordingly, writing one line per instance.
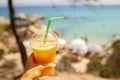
(78, 47)
(33, 70)
(114, 36)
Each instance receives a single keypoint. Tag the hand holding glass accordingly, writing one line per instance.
(44, 53)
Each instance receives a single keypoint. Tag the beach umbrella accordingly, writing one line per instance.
(94, 48)
(62, 41)
(79, 46)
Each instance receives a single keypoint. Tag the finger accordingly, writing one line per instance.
(31, 59)
(35, 78)
(30, 62)
(50, 65)
(35, 70)
(34, 73)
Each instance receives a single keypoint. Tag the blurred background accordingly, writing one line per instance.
(88, 37)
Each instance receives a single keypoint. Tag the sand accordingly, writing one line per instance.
(9, 70)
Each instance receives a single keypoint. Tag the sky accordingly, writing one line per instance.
(56, 2)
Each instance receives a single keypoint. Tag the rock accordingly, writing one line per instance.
(37, 27)
(21, 30)
(35, 18)
(3, 47)
(4, 20)
(58, 33)
(7, 41)
(22, 15)
(81, 66)
(22, 20)
(33, 28)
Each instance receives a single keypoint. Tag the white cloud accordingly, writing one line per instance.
(35, 2)
(50, 2)
(111, 2)
(3, 2)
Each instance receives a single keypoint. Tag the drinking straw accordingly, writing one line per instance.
(48, 26)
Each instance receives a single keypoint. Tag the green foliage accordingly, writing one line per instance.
(66, 60)
(95, 65)
(10, 64)
(65, 64)
(1, 53)
(116, 45)
(108, 71)
(4, 27)
(112, 68)
(13, 50)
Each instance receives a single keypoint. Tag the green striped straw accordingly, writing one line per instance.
(48, 26)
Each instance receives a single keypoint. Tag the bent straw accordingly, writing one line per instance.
(48, 26)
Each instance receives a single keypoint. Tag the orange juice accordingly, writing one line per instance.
(44, 53)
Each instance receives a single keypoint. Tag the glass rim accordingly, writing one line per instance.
(43, 32)
(50, 32)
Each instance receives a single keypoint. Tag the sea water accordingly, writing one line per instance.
(100, 24)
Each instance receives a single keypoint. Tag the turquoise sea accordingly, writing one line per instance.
(99, 23)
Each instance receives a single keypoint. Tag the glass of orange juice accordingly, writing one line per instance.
(44, 53)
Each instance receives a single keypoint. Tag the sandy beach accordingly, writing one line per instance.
(11, 66)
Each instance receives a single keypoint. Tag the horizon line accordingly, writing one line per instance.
(58, 5)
